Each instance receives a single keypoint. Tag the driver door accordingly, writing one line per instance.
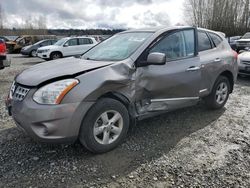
(70, 48)
(175, 84)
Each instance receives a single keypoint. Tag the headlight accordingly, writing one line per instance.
(54, 93)
(44, 51)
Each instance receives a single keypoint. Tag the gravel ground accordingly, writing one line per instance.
(193, 147)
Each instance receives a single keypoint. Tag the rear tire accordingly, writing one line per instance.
(55, 55)
(105, 126)
(220, 93)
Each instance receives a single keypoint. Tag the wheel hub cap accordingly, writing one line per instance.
(108, 127)
(221, 93)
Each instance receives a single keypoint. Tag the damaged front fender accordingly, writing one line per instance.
(116, 78)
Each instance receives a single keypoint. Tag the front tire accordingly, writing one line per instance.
(220, 93)
(105, 126)
(55, 55)
(33, 53)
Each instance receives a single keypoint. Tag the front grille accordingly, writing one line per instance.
(18, 92)
(243, 43)
(41, 51)
(245, 62)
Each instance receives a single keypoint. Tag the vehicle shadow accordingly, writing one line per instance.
(243, 80)
(148, 140)
(34, 62)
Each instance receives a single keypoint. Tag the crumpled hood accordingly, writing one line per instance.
(58, 68)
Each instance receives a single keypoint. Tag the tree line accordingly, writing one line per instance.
(58, 32)
(38, 26)
(229, 16)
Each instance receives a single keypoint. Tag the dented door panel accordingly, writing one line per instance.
(168, 86)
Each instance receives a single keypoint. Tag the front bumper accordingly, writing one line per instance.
(44, 55)
(25, 52)
(48, 123)
(244, 69)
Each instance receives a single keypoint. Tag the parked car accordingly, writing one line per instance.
(243, 43)
(31, 49)
(232, 41)
(5, 39)
(70, 46)
(133, 75)
(16, 45)
(3, 58)
(244, 63)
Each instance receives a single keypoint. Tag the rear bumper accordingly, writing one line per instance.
(49, 123)
(43, 55)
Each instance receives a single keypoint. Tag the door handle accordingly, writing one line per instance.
(193, 68)
(217, 60)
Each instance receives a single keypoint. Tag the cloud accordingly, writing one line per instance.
(82, 14)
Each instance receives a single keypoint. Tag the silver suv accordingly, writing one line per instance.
(133, 75)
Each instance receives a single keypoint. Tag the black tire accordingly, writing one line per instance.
(32, 53)
(55, 55)
(86, 134)
(211, 100)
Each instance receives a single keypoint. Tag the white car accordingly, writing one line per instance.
(69, 46)
(244, 63)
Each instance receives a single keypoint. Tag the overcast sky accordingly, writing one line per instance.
(84, 14)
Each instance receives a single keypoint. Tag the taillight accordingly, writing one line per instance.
(3, 49)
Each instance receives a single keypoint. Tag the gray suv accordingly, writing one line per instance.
(131, 76)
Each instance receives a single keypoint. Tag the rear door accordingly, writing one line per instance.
(175, 84)
(84, 45)
(211, 57)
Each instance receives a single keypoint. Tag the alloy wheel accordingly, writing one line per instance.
(108, 127)
(33, 53)
(221, 93)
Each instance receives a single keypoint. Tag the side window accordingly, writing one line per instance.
(72, 42)
(53, 42)
(83, 41)
(176, 45)
(45, 43)
(90, 41)
(203, 42)
(216, 39)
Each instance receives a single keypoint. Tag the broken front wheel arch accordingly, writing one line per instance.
(125, 101)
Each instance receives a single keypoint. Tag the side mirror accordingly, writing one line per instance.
(156, 58)
(65, 45)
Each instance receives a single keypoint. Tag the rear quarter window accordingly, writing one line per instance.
(83, 41)
(203, 41)
(216, 39)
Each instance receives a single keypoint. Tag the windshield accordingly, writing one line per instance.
(246, 36)
(18, 39)
(118, 47)
(39, 42)
(61, 42)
